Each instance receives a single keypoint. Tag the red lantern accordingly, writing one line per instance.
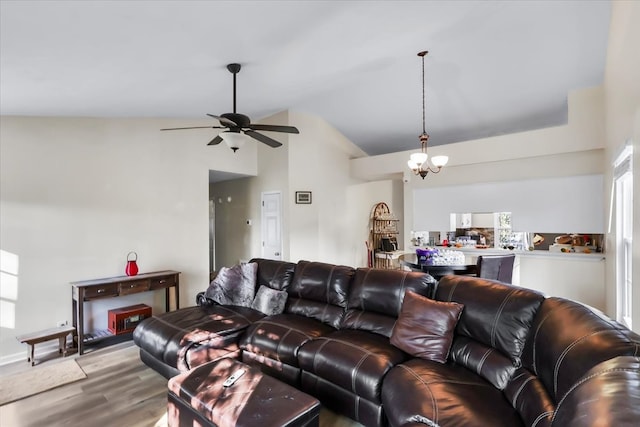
(132, 267)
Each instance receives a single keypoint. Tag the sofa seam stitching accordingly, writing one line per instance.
(517, 393)
(541, 417)
(567, 349)
(497, 318)
(434, 403)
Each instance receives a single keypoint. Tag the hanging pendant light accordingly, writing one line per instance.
(418, 162)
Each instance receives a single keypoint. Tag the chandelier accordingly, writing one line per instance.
(418, 161)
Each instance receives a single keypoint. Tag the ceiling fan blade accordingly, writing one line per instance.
(224, 121)
(215, 141)
(197, 127)
(262, 138)
(274, 128)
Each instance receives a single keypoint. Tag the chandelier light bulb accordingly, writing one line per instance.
(419, 158)
(439, 161)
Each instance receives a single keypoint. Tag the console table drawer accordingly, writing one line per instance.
(163, 282)
(109, 290)
(132, 287)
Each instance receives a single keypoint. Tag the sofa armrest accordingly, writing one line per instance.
(204, 301)
(608, 394)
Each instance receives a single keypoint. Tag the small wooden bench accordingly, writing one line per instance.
(34, 338)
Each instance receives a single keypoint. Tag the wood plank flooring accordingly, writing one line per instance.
(119, 391)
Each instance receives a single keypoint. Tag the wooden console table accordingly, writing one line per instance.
(111, 287)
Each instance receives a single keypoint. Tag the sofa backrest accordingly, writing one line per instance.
(376, 295)
(274, 274)
(568, 339)
(494, 325)
(319, 291)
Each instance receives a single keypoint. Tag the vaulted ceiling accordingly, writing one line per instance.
(494, 67)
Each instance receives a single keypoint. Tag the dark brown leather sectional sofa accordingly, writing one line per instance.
(517, 358)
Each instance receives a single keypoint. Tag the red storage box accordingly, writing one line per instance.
(125, 319)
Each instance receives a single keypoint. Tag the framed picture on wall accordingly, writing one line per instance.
(303, 197)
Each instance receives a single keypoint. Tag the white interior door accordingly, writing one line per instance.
(272, 225)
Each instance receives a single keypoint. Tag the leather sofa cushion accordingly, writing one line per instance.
(425, 327)
(319, 291)
(568, 338)
(532, 401)
(279, 337)
(489, 363)
(425, 392)
(608, 395)
(496, 314)
(352, 360)
(375, 298)
(274, 274)
(343, 402)
(169, 337)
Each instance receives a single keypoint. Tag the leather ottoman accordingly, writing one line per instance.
(198, 397)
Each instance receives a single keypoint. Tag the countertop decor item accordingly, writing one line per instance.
(132, 266)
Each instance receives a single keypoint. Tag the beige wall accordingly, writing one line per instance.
(78, 194)
(622, 106)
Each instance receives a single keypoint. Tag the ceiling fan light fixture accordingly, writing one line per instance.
(234, 140)
(418, 161)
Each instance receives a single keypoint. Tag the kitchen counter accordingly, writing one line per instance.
(474, 252)
(576, 276)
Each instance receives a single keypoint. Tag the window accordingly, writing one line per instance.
(506, 237)
(623, 180)
(8, 289)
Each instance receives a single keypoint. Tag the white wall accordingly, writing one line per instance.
(566, 277)
(622, 108)
(78, 194)
(570, 204)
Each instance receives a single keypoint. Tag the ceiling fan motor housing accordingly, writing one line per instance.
(239, 119)
(234, 68)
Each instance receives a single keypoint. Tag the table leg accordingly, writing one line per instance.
(32, 347)
(62, 344)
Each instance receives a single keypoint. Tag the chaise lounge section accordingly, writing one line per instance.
(479, 352)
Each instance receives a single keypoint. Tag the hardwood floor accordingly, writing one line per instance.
(119, 391)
